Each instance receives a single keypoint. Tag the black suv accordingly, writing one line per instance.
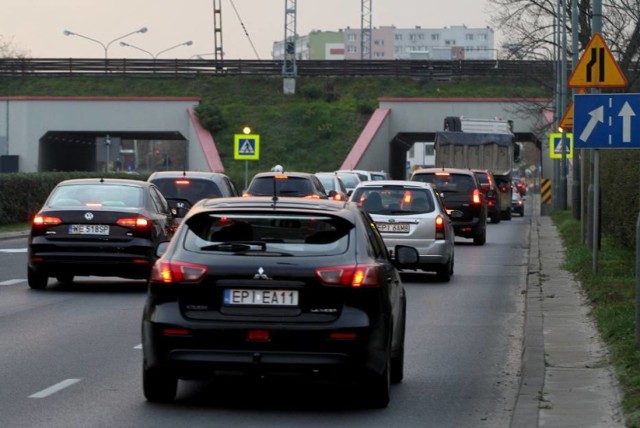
(460, 190)
(292, 184)
(268, 286)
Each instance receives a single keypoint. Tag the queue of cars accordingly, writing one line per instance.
(298, 276)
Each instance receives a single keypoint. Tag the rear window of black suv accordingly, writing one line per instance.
(447, 182)
(268, 234)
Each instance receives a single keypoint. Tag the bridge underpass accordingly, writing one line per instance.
(399, 123)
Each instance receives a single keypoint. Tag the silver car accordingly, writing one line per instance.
(411, 213)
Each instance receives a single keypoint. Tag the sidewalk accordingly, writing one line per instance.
(566, 381)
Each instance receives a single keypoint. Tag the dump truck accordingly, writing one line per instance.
(480, 144)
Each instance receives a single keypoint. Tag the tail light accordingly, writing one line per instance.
(134, 222)
(312, 196)
(476, 198)
(440, 231)
(172, 272)
(41, 220)
(356, 276)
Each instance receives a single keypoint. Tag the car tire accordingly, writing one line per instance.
(443, 272)
(481, 236)
(36, 280)
(158, 385)
(65, 279)
(507, 214)
(377, 387)
(397, 359)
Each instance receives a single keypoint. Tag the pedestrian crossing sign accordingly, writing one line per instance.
(246, 147)
(555, 145)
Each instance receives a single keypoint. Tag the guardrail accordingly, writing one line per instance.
(29, 67)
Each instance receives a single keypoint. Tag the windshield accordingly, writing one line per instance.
(290, 233)
(188, 189)
(395, 200)
(96, 195)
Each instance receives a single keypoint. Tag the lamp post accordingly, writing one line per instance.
(104, 46)
(125, 44)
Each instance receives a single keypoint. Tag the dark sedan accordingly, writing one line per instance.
(265, 287)
(97, 227)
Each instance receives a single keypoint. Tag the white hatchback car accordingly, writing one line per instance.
(411, 213)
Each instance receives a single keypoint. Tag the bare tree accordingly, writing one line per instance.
(8, 49)
(529, 27)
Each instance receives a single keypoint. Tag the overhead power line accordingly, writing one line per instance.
(244, 29)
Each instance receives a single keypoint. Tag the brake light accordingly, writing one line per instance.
(357, 276)
(41, 220)
(406, 199)
(182, 182)
(172, 272)
(312, 196)
(440, 231)
(503, 189)
(134, 222)
(476, 198)
(443, 174)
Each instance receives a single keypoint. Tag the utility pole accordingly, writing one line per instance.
(365, 29)
(217, 33)
(289, 67)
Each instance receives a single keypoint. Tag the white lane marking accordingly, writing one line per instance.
(13, 250)
(12, 281)
(138, 346)
(55, 388)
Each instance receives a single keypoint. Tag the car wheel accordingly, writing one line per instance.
(65, 279)
(158, 386)
(480, 237)
(397, 360)
(36, 280)
(507, 214)
(377, 387)
(443, 272)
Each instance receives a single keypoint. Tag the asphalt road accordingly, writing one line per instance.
(70, 355)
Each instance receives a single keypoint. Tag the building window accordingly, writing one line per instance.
(469, 37)
(482, 37)
(352, 49)
(398, 37)
(421, 36)
(435, 37)
(352, 37)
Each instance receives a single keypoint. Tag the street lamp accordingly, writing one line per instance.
(125, 44)
(104, 46)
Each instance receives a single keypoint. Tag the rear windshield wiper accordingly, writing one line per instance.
(235, 246)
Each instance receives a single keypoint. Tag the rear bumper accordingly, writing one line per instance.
(295, 348)
(131, 261)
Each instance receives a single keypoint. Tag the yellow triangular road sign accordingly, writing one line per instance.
(597, 68)
(567, 119)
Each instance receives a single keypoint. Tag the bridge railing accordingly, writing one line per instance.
(346, 68)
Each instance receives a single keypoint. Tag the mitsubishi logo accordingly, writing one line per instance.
(260, 274)
(88, 216)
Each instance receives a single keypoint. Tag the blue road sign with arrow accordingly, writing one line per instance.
(606, 121)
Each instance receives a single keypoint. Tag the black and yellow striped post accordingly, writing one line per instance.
(545, 191)
(545, 196)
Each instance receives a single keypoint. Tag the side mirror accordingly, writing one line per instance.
(406, 256)
(161, 248)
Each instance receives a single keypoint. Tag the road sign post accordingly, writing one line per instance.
(246, 147)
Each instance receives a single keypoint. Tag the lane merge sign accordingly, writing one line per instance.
(597, 68)
(604, 121)
(246, 147)
(555, 145)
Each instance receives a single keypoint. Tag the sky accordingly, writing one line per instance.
(36, 27)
